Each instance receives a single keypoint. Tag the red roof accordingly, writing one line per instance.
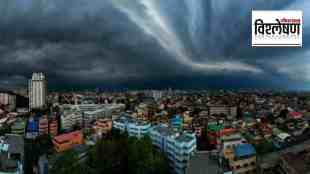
(295, 114)
(228, 131)
(68, 136)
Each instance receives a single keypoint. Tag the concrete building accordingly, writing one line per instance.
(228, 144)
(11, 154)
(230, 111)
(156, 94)
(92, 112)
(134, 127)
(243, 160)
(53, 125)
(102, 127)
(85, 114)
(176, 122)
(37, 87)
(214, 130)
(232, 140)
(8, 100)
(18, 127)
(70, 116)
(32, 128)
(43, 125)
(178, 146)
(67, 141)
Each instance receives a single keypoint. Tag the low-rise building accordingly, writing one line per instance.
(213, 130)
(8, 100)
(91, 112)
(176, 122)
(243, 160)
(187, 121)
(32, 130)
(11, 154)
(70, 116)
(229, 111)
(53, 126)
(18, 127)
(178, 146)
(102, 127)
(43, 125)
(229, 142)
(216, 130)
(134, 127)
(67, 141)
(85, 114)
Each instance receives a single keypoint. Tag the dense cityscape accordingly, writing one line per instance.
(154, 87)
(153, 131)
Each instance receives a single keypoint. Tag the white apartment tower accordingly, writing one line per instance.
(37, 91)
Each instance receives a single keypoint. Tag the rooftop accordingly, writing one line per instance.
(126, 118)
(185, 138)
(243, 150)
(295, 114)
(164, 130)
(68, 136)
(215, 127)
(232, 137)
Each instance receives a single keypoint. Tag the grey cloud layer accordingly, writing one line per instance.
(118, 40)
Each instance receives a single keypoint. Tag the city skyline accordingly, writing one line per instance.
(146, 44)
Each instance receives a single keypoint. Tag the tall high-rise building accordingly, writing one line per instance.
(37, 91)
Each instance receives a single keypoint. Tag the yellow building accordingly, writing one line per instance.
(243, 159)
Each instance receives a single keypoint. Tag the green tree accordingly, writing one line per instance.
(264, 147)
(67, 163)
(4, 129)
(123, 154)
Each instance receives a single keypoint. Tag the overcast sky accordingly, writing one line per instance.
(146, 44)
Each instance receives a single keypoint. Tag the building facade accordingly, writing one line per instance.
(102, 127)
(85, 114)
(37, 89)
(53, 126)
(43, 125)
(67, 141)
(70, 116)
(178, 146)
(11, 154)
(230, 111)
(243, 160)
(8, 99)
(18, 127)
(134, 127)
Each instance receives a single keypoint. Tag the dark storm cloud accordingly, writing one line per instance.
(121, 41)
(76, 42)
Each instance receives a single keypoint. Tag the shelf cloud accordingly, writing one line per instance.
(129, 42)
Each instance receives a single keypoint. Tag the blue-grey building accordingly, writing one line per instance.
(178, 146)
(134, 127)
